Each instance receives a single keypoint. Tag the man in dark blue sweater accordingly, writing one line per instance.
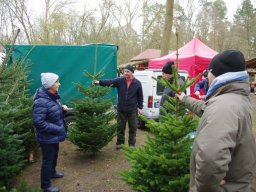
(203, 84)
(130, 103)
(167, 74)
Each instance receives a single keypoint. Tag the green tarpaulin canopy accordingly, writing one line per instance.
(69, 62)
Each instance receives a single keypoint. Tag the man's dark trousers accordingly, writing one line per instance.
(132, 123)
(49, 162)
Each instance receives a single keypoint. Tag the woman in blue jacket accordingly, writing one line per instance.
(49, 127)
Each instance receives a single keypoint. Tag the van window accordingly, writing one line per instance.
(159, 87)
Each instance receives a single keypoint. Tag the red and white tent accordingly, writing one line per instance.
(194, 57)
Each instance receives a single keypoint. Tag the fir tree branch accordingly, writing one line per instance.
(12, 91)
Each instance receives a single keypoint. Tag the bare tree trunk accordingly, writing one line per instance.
(46, 32)
(165, 45)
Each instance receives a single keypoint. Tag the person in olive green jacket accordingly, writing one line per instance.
(224, 152)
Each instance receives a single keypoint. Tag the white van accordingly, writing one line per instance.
(152, 92)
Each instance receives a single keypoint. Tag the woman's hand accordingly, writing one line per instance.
(65, 107)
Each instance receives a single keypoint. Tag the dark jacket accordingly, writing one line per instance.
(129, 99)
(168, 92)
(201, 85)
(48, 117)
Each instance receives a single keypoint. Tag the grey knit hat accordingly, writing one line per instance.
(48, 79)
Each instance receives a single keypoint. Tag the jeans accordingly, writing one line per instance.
(49, 163)
(132, 123)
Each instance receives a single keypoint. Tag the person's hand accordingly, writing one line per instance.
(96, 82)
(180, 95)
(197, 93)
(65, 107)
(139, 111)
(222, 182)
(202, 96)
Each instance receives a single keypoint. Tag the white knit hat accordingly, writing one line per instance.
(48, 79)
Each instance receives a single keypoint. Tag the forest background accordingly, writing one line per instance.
(133, 25)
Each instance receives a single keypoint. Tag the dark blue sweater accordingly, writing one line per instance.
(129, 99)
(48, 117)
(168, 92)
(201, 85)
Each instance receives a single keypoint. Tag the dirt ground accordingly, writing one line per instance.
(85, 173)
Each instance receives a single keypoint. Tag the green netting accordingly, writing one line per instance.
(68, 62)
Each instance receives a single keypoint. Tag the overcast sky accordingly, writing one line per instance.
(232, 5)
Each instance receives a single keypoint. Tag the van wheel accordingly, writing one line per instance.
(69, 120)
(141, 124)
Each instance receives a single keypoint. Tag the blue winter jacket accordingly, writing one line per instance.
(129, 99)
(48, 117)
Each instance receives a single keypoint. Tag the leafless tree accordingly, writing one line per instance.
(19, 16)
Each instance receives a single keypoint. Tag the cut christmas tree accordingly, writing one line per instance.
(16, 127)
(95, 124)
(162, 163)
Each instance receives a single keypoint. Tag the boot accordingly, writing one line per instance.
(52, 189)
